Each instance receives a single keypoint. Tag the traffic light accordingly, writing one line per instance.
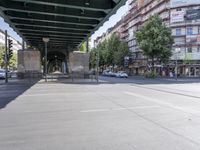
(10, 51)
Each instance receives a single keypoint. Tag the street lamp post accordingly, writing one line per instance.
(177, 51)
(97, 66)
(6, 57)
(45, 40)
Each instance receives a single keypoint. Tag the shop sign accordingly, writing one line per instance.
(198, 38)
(193, 14)
(180, 3)
(192, 56)
(191, 38)
(176, 16)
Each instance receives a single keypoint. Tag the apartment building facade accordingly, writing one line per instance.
(182, 16)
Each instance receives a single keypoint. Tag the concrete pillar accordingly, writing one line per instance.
(87, 45)
(29, 63)
(23, 45)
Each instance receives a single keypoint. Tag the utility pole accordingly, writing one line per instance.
(45, 61)
(87, 45)
(6, 56)
(176, 68)
(23, 44)
(177, 51)
(97, 66)
(46, 40)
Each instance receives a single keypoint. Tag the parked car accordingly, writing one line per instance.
(121, 74)
(111, 74)
(3, 74)
(108, 73)
(105, 73)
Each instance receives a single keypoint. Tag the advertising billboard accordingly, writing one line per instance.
(193, 38)
(193, 14)
(179, 3)
(176, 16)
(192, 56)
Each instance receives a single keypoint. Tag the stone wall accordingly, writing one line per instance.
(79, 64)
(29, 63)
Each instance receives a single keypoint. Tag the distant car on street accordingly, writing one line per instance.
(121, 74)
(105, 73)
(3, 74)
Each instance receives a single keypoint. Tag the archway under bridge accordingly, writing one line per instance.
(57, 62)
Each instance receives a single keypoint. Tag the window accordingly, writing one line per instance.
(178, 31)
(189, 31)
(198, 50)
(199, 29)
(189, 49)
(178, 9)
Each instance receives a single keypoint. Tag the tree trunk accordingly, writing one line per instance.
(152, 65)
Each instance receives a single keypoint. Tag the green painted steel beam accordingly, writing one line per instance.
(11, 14)
(19, 19)
(53, 39)
(51, 13)
(53, 35)
(48, 27)
(24, 31)
(53, 25)
(68, 5)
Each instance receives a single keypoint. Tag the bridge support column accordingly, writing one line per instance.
(79, 64)
(29, 64)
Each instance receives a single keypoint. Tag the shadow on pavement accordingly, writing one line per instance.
(14, 88)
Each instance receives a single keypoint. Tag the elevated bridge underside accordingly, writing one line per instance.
(66, 23)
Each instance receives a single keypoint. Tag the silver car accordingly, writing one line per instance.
(3, 74)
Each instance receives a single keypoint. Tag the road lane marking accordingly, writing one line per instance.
(187, 110)
(118, 109)
(169, 92)
(44, 94)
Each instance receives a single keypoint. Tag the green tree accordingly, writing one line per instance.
(12, 64)
(122, 51)
(155, 39)
(93, 55)
(13, 61)
(83, 47)
(2, 51)
(111, 52)
(112, 47)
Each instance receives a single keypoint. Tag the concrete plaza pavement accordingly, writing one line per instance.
(116, 114)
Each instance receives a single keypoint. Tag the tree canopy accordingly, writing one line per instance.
(155, 40)
(12, 62)
(111, 52)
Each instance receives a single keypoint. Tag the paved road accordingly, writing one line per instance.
(113, 115)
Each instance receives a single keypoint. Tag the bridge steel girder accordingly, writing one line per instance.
(72, 20)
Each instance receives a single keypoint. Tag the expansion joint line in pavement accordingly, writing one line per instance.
(164, 91)
(149, 120)
(152, 121)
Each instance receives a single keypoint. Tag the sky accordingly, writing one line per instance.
(111, 22)
(4, 26)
